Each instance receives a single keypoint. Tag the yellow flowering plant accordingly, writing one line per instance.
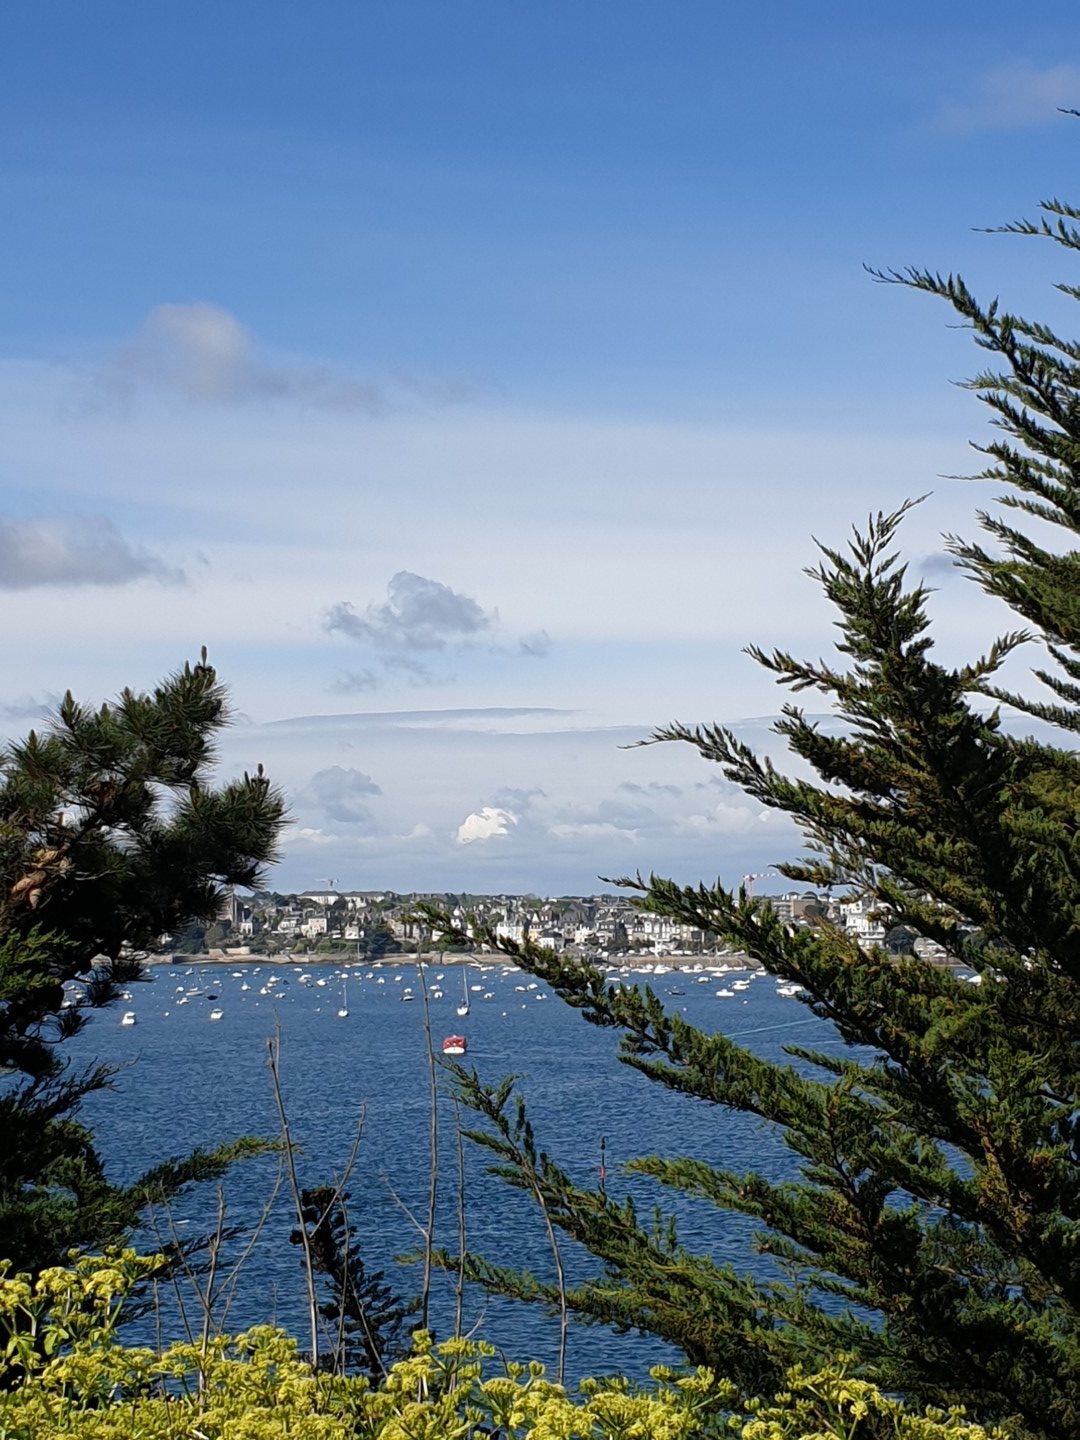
(66, 1375)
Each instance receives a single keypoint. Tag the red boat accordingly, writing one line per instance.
(455, 1045)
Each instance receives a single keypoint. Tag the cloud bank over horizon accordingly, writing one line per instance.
(494, 801)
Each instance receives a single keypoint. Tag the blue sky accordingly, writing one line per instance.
(497, 358)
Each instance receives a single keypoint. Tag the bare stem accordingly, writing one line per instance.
(459, 1284)
(273, 1056)
(564, 1312)
(215, 1252)
(433, 1155)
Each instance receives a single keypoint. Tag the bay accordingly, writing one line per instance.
(187, 1080)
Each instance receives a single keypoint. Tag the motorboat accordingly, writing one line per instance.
(216, 1013)
(455, 1045)
(128, 1017)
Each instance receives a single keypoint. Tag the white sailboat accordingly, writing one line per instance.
(343, 1013)
(463, 1008)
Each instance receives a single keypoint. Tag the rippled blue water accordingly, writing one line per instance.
(195, 1081)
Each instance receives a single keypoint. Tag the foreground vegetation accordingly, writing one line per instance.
(64, 1373)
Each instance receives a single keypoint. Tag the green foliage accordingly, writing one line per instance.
(931, 1231)
(378, 942)
(367, 1319)
(111, 835)
(64, 1373)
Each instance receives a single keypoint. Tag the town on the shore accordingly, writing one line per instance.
(382, 924)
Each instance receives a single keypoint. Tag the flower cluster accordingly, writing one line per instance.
(65, 1375)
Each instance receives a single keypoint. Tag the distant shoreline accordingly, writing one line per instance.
(430, 959)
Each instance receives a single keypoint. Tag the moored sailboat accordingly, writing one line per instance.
(463, 1008)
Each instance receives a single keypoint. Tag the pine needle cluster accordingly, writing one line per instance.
(112, 835)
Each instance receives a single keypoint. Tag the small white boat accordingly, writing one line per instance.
(128, 1017)
(216, 1013)
(724, 994)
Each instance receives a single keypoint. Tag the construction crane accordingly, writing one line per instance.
(748, 880)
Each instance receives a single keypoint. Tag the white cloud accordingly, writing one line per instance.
(485, 824)
(1014, 97)
(74, 550)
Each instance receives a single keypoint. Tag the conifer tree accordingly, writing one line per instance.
(367, 1319)
(111, 836)
(932, 1225)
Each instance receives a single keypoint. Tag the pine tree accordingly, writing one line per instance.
(111, 836)
(932, 1228)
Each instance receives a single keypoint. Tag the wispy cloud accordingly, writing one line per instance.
(938, 567)
(1013, 97)
(203, 354)
(74, 550)
(356, 682)
(538, 644)
(27, 707)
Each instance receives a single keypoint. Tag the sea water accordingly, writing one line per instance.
(186, 1080)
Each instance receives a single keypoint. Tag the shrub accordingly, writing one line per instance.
(66, 1374)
